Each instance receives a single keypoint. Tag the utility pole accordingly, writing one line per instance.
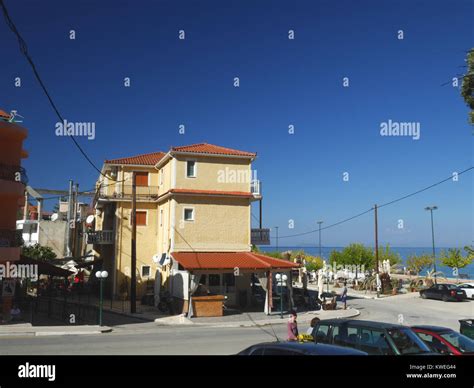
(133, 283)
(377, 276)
(431, 208)
(376, 241)
(276, 228)
(320, 251)
(68, 226)
(74, 218)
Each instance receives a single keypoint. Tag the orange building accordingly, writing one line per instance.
(12, 185)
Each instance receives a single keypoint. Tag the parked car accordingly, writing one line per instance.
(298, 349)
(444, 340)
(466, 327)
(374, 338)
(468, 288)
(444, 292)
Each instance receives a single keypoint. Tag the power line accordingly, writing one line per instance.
(371, 209)
(24, 51)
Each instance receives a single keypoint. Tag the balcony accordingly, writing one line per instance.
(124, 192)
(255, 188)
(260, 236)
(10, 238)
(101, 237)
(13, 173)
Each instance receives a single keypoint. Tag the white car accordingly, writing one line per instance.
(468, 288)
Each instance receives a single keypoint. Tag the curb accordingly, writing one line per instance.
(303, 318)
(33, 333)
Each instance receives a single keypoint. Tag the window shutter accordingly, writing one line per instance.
(141, 178)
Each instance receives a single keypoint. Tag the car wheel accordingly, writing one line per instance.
(423, 296)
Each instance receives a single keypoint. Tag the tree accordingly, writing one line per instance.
(467, 90)
(470, 251)
(387, 254)
(354, 254)
(38, 252)
(454, 259)
(313, 263)
(419, 263)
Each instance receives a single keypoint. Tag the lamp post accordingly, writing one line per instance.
(280, 279)
(101, 275)
(430, 209)
(319, 223)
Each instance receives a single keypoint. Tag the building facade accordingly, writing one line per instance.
(190, 201)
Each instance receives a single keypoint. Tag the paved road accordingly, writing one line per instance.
(149, 339)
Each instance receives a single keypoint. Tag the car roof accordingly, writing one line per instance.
(311, 347)
(470, 283)
(364, 323)
(436, 329)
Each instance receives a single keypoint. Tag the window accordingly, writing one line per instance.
(373, 342)
(214, 280)
(189, 214)
(141, 218)
(320, 333)
(162, 173)
(141, 178)
(191, 169)
(146, 270)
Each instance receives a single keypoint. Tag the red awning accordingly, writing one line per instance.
(230, 260)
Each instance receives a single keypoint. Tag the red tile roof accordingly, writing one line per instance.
(229, 260)
(205, 148)
(211, 192)
(145, 159)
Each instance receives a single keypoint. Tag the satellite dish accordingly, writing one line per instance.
(156, 258)
(90, 219)
(54, 217)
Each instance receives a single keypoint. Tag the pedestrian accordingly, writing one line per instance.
(313, 324)
(292, 327)
(344, 296)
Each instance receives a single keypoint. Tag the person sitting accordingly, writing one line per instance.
(313, 324)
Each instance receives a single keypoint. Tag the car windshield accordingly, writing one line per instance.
(451, 287)
(459, 341)
(407, 342)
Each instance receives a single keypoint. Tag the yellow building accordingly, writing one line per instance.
(193, 216)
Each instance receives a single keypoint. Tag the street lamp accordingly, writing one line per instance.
(101, 275)
(319, 223)
(280, 279)
(431, 208)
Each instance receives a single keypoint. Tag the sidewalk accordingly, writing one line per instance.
(254, 319)
(26, 329)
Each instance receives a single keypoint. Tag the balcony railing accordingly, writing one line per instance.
(13, 173)
(10, 238)
(143, 193)
(260, 236)
(101, 237)
(255, 188)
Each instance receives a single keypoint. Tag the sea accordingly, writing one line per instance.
(404, 253)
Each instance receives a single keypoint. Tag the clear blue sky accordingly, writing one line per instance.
(283, 82)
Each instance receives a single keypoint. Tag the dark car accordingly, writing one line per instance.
(298, 349)
(374, 338)
(444, 292)
(444, 340)
(467, 327)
